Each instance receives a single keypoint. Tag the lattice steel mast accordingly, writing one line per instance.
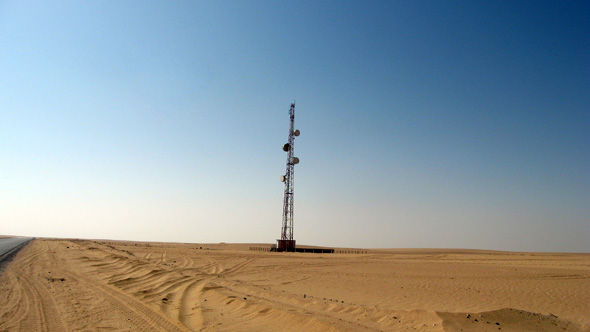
(287, 243)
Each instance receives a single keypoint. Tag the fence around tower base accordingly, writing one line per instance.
(314, 250)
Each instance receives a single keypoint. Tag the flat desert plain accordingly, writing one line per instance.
(66, 285)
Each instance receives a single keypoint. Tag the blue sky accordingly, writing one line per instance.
(424, 124)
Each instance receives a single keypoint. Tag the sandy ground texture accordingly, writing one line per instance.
(71, 285)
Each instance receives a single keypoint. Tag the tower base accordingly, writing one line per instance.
(286, 245)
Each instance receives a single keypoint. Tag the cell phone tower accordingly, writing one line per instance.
(286, 243)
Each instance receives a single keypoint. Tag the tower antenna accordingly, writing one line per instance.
(287, 243)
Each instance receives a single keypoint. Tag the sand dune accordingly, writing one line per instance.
(60, 285)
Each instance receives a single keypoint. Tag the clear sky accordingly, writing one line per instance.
(453, 124)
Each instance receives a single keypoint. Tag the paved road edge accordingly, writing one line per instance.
(7, 257)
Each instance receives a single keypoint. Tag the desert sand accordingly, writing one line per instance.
(70, 285)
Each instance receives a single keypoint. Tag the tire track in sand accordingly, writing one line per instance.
(36, 309)
(191, 300)
(142, 317)
(16, 304)
(42, 313)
